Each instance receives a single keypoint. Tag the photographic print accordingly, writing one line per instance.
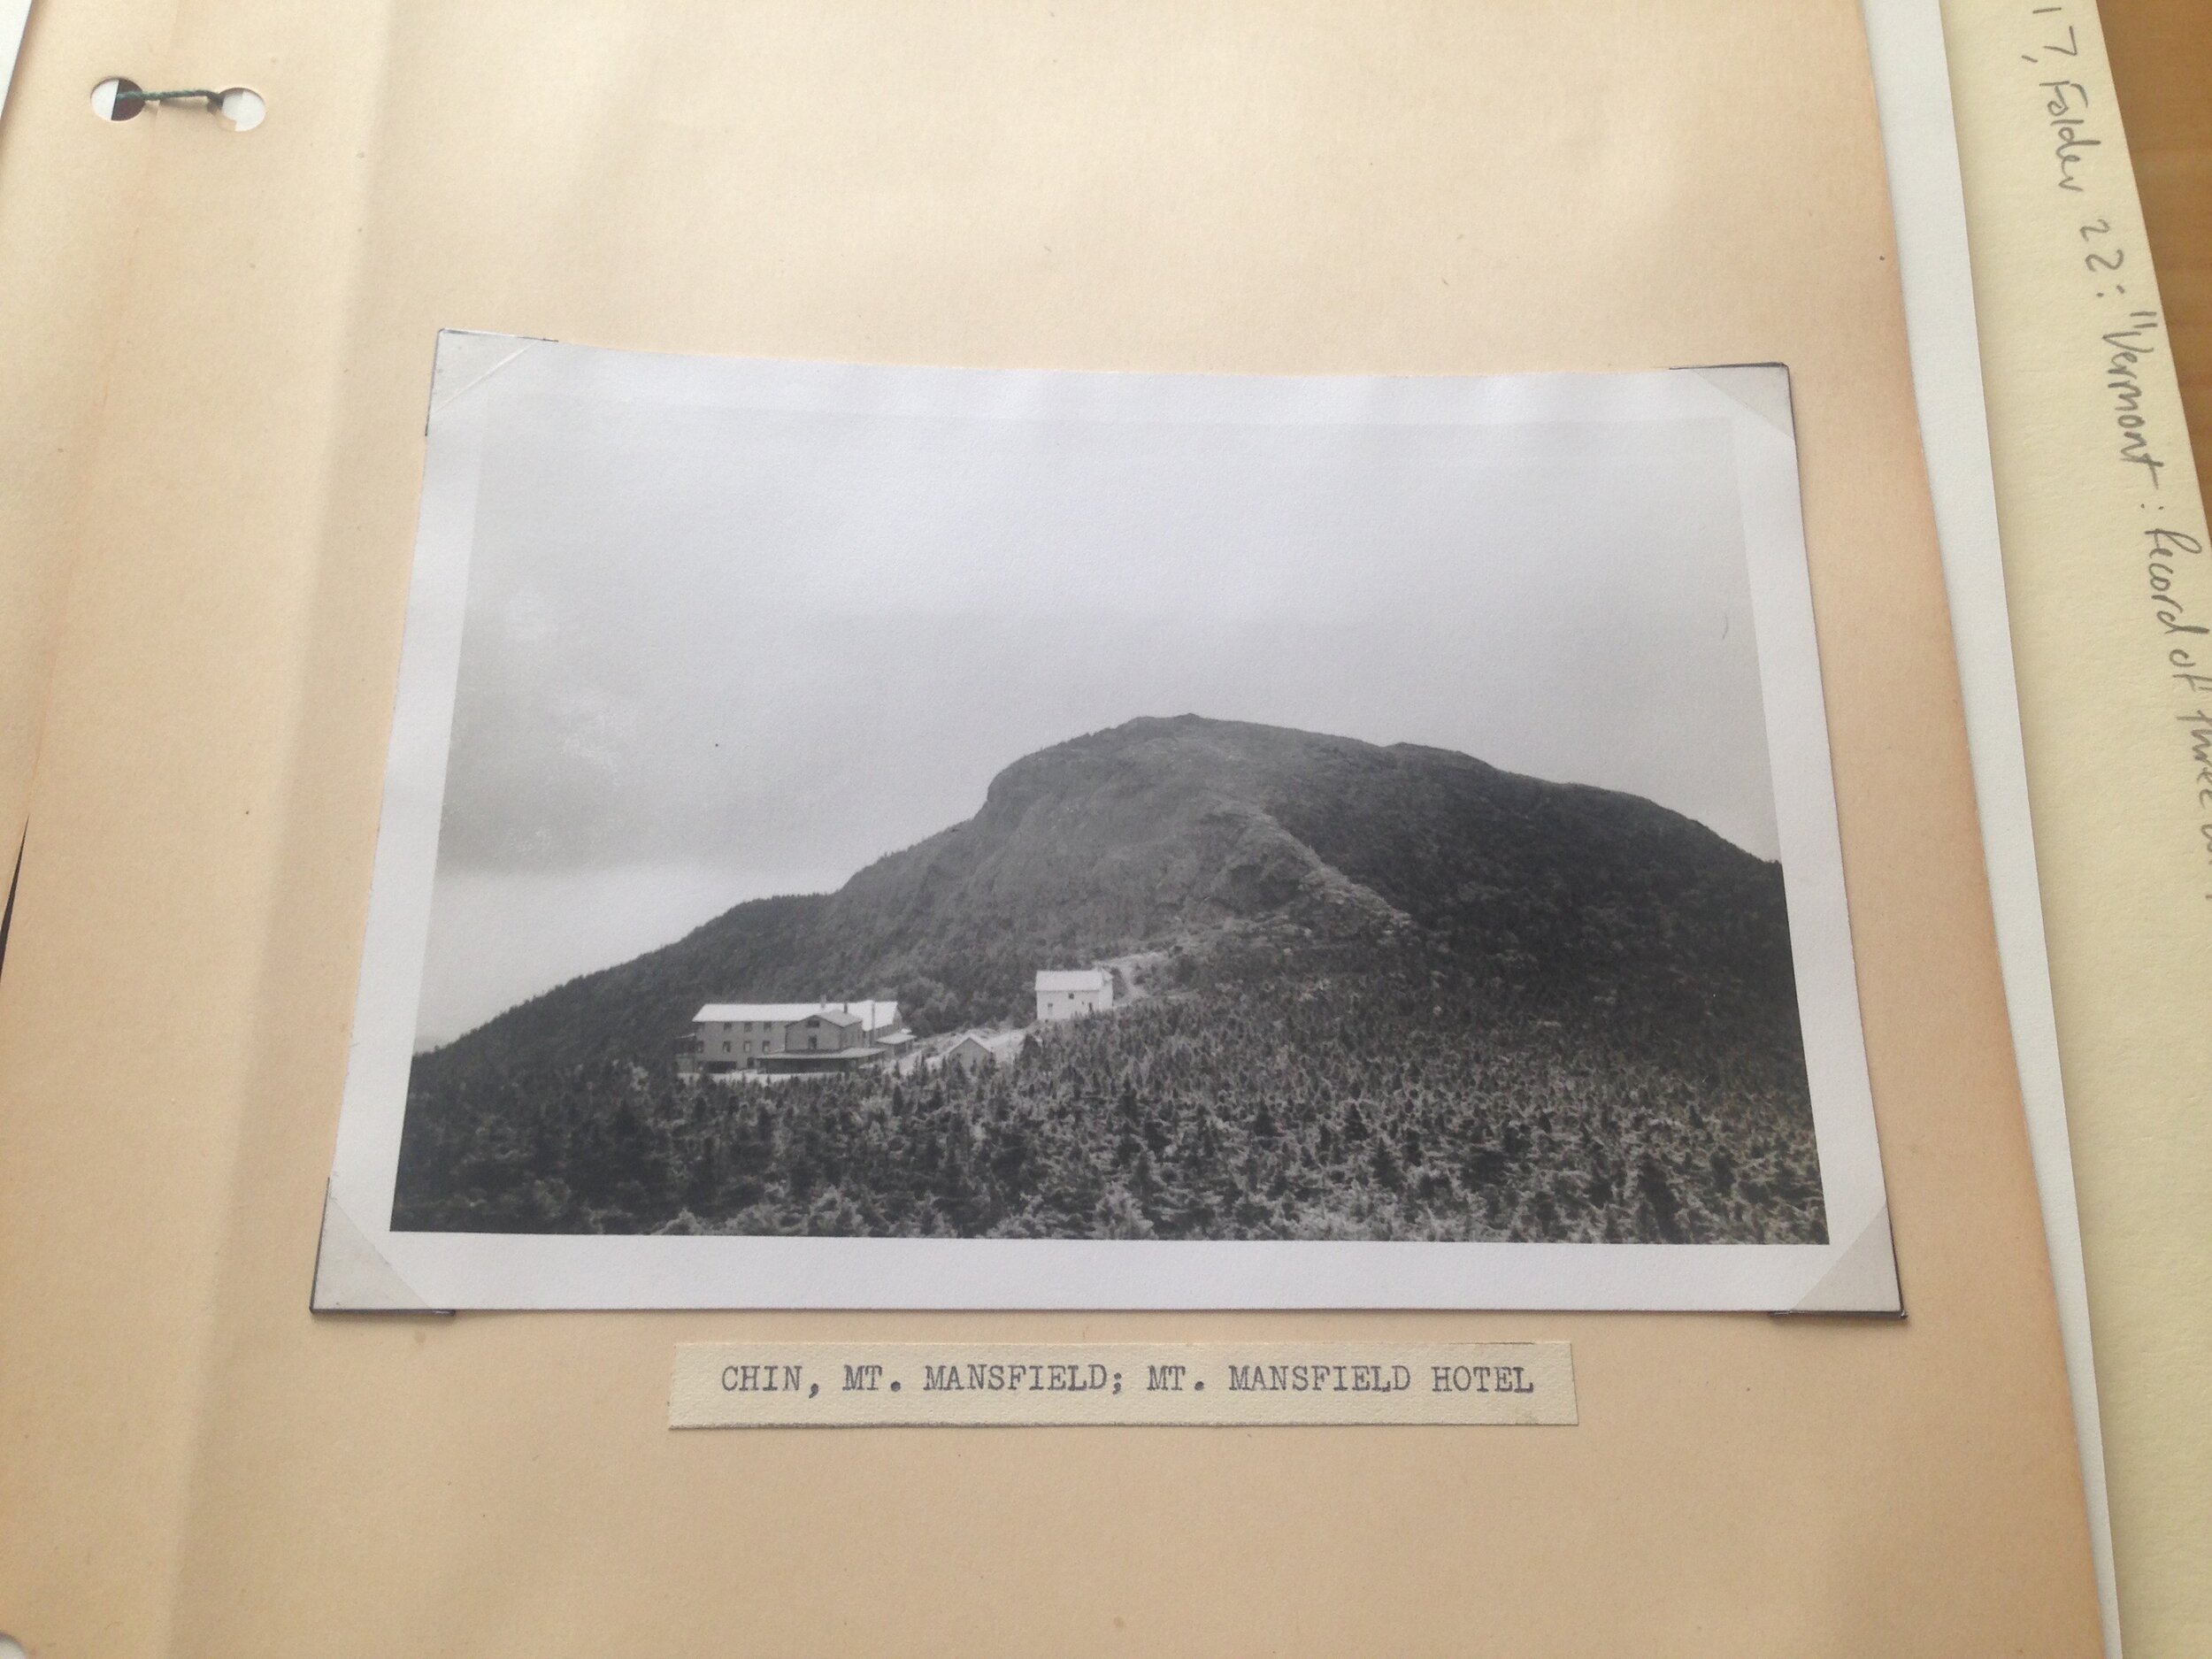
(865, 835)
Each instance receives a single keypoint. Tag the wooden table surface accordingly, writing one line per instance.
(2161, 64)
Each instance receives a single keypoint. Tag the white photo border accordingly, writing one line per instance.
(364, 1264)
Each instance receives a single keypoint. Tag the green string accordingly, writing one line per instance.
(214, 99)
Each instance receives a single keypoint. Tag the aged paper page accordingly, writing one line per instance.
(1227, 188)
(2110, 581)
(69, 222)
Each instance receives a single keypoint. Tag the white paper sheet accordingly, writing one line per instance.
(1912, 85)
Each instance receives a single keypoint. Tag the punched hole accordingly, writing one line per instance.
(241, 110)
(109, 107)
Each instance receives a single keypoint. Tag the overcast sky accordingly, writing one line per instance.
(714, 655)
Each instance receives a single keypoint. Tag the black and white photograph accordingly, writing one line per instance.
(909, 837)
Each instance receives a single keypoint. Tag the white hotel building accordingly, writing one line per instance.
(728, 1037)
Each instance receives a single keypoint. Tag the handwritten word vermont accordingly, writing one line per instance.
(2074, 96)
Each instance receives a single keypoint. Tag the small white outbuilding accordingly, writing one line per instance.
(1069, 994)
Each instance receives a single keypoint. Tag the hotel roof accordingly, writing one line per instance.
(873, 1015)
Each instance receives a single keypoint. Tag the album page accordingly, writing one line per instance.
(1262, 194)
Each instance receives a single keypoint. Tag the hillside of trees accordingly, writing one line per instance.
(1344, 1104)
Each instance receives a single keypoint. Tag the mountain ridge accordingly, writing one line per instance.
(1161, 827)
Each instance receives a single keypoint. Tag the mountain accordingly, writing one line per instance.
(1162, 830)
(1391, 992)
